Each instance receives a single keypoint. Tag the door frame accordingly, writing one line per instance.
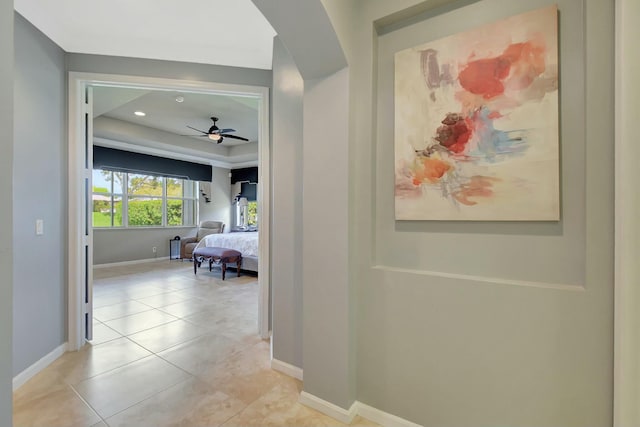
(626, 374)
(77, 200)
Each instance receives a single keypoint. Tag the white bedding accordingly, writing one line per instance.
(246, 243)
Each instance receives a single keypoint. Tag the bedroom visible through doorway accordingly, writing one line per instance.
(166, 212)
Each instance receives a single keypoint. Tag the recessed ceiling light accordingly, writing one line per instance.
(179, 98)
(140, 113)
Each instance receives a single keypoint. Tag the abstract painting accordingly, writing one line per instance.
(476, 124)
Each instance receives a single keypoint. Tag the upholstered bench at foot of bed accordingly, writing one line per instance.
(221, 256)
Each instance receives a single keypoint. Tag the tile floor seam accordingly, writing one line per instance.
(107, 341)
(116, 318)
(86, 403)
(159, 308)
(146, 398)
(142, 330)
(110, 369)
(165, 349)
(236, 414)
(173, 364)
(249, 404)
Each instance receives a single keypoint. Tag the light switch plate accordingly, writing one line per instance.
(39, 227)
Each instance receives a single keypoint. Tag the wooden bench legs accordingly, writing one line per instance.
(197, 260)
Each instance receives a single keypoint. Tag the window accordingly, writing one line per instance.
(107, 198)
(137, 200)
(247, 215)
(252, 214)
(181, 202)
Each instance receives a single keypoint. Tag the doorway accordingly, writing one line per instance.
(80, 189)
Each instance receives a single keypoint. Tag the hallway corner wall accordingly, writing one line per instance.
(6, 210)
(40, 192)
(286, 193)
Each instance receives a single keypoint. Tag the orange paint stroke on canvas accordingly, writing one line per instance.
(429, 170)
(478, 186)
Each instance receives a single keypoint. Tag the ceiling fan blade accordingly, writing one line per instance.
(204, 136)
(234, 137)
(197, 129)
(226, 130)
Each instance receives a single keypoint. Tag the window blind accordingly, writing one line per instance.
(127, 161)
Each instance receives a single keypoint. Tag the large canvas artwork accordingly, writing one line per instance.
(476, 124)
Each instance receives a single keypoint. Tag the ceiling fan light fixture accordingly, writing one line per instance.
(215, 133)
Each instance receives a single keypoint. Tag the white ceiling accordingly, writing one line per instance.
(163, 130)
(164, 113)
(222, 32)
(219, 32)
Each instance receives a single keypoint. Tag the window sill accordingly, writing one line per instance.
(173, 227)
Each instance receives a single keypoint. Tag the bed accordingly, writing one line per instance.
(246, 243)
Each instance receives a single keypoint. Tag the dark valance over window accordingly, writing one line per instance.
(249, 191)
(244, 175)
(248, 177)
(127, 161)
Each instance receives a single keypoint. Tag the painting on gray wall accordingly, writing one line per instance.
(476, 123)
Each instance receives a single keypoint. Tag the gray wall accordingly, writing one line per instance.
(6, 209)
(444, 351)
(39, 184)
(286, 231)
(445, 343)
(219, 209)
(111, 246)
(171, 70)
(167, 69)
(39, 300)
(327, 327)
(119, 245)
(523, 342)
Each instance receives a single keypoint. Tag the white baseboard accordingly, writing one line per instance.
(383, 418)
(328, 408)
(287, 369)
(358, 408)
(34, 369)
(137, 261)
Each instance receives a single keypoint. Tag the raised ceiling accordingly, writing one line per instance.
(222, 32)
(165, 113)
(165, 123)
(219, 32)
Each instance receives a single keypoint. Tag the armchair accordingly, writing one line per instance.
(188, 244)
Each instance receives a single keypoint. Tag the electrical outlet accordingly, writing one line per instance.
(39, 227)
(154, 249)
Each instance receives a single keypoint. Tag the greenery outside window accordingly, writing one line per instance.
(138, 200)
(107, 200)
(252, 214)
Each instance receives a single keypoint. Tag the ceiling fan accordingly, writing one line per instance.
(216, 134)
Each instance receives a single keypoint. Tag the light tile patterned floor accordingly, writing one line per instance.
(169, 349)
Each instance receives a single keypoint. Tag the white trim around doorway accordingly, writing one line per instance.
(626, 375)
(77, 84)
